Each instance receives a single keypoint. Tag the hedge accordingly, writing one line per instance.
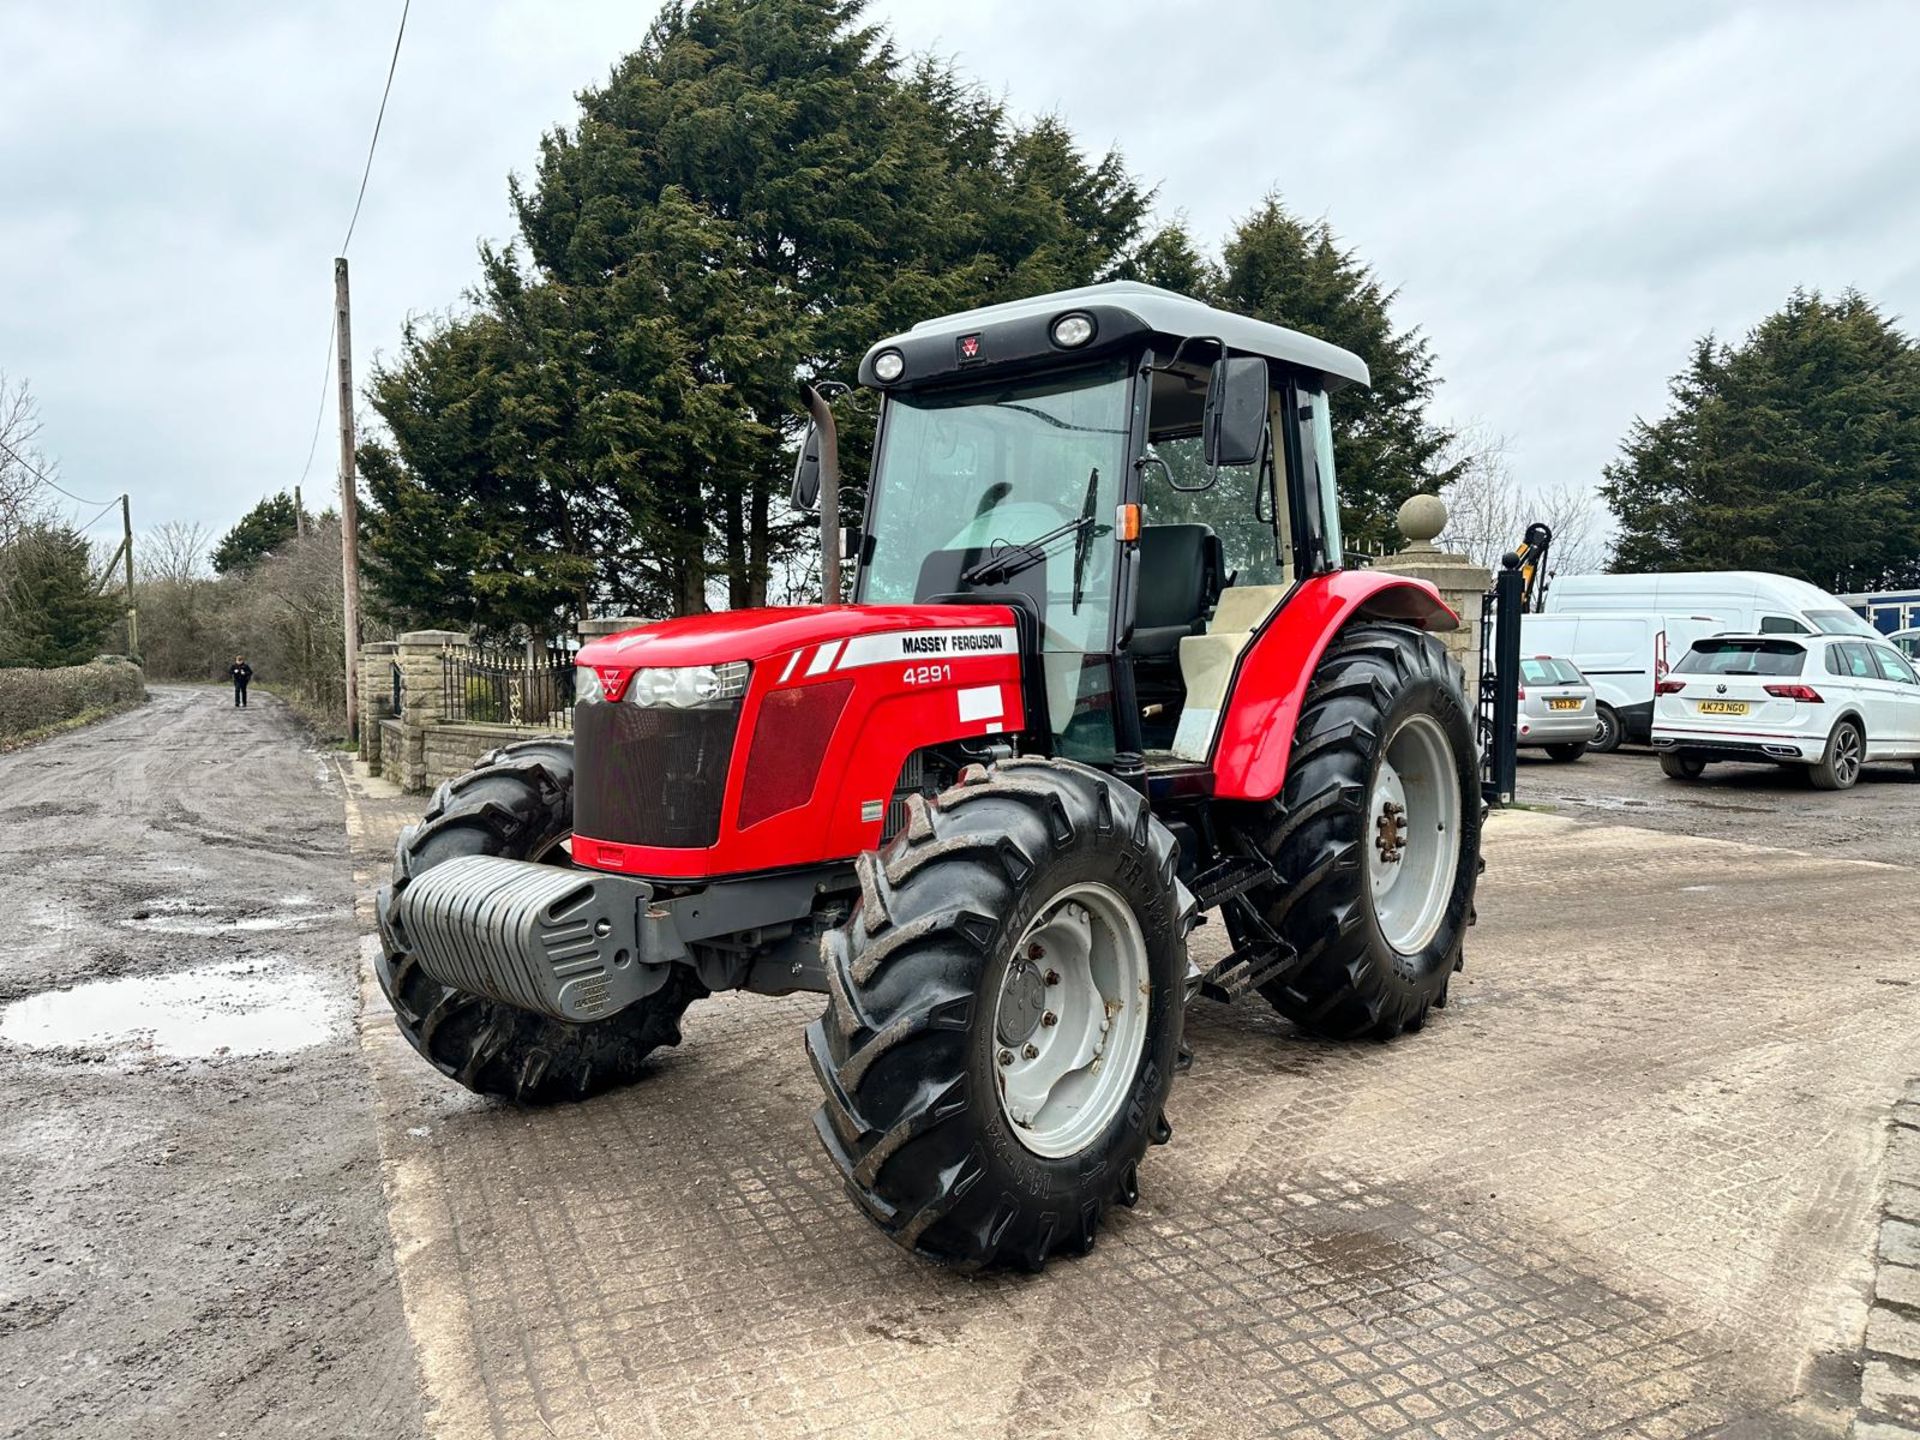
(32, 700)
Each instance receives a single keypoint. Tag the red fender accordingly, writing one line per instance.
(1256, 734)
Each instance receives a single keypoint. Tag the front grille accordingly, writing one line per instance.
(651, 775)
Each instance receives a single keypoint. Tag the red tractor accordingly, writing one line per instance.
(1105, 672)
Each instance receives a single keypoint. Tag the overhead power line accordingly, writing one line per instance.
(46, 479)
(326, 370)
(374, 143)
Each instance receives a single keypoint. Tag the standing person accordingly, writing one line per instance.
(242, 673)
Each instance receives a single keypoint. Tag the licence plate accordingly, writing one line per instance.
(1723, 707)
(1563, 704)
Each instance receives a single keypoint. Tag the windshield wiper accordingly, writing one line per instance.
(1005, 564)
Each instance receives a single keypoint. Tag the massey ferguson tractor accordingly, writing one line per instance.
(1105, 675)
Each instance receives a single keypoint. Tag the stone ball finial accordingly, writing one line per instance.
(1421, 518)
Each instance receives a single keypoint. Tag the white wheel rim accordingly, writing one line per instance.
(1070, 1021)
(1412, 843)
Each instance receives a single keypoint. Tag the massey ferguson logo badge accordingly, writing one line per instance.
(969, 347)
(963, 642)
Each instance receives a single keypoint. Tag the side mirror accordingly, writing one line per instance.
(1233, 428)
(850, 538)
(806, 471)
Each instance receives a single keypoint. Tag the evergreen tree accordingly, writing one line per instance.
(50, 611)
(1796, 451)
(261, 531)
(759, 192)
(1294, 273)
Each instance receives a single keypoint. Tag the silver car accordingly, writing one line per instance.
(1556, 707)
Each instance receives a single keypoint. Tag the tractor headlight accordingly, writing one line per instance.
(587, 689)
(889, 365)
(689, 687)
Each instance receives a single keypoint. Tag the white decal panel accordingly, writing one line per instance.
(925, 644)
(980, 703)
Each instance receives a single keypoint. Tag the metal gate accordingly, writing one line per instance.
(1500, 684)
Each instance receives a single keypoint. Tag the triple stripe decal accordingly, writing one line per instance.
(899, 645)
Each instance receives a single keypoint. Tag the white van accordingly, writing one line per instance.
(1621, 654)
(1750, 602)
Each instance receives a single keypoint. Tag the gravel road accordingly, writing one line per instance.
(1879, 819)
(196, 1241)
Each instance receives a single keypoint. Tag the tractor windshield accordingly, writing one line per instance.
(1013, 482)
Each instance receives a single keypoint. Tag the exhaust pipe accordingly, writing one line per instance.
(829, 445)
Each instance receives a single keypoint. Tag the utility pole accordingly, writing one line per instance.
(299, 514)
(349, 499)
(126, 548)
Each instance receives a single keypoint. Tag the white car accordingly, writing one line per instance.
(1829, 702)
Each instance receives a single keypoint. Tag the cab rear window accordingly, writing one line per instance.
(1742, 657)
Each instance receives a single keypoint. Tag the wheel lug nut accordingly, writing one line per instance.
(1006, 1057)
(1053, 977)
(1049, 1018)
(1031, 1051)
(1036, 951)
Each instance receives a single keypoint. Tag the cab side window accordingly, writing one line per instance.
(1781, 625)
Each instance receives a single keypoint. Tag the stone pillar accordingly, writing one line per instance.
(376, 686)
(1461, 583)
(418, 655)
(605, 625)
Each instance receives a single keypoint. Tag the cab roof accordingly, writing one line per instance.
(1165, 313)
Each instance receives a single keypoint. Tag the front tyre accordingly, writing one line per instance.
(1004, 1014)
(1566, 753)
(516, 804)
(1376, 837)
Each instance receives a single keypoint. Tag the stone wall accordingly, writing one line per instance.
(416, 749)
(450, 750)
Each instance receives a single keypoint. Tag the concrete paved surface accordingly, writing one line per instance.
(194, 1239)
(1627, 1183)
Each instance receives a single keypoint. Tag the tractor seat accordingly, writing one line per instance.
(1181, 568)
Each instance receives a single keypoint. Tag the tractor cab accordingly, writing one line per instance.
(1143, 477)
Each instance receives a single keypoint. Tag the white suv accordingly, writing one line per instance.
(1830, 702)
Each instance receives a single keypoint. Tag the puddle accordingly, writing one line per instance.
(237, 1008)
(192, 917)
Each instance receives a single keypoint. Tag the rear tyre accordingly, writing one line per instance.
(1003, 1015)
(1376, 835)
(1606, 739)
(1564, 753)
(1839, 765)
(1681, 767)
(516, 804)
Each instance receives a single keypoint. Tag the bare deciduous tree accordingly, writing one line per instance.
(1488, 512)
(23, 499)
(177, 552)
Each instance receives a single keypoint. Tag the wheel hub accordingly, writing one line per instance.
(1023, 1000)
(1390, 831)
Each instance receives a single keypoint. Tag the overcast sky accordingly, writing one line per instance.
(1565, 198)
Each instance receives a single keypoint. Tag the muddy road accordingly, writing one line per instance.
(196, 1242)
